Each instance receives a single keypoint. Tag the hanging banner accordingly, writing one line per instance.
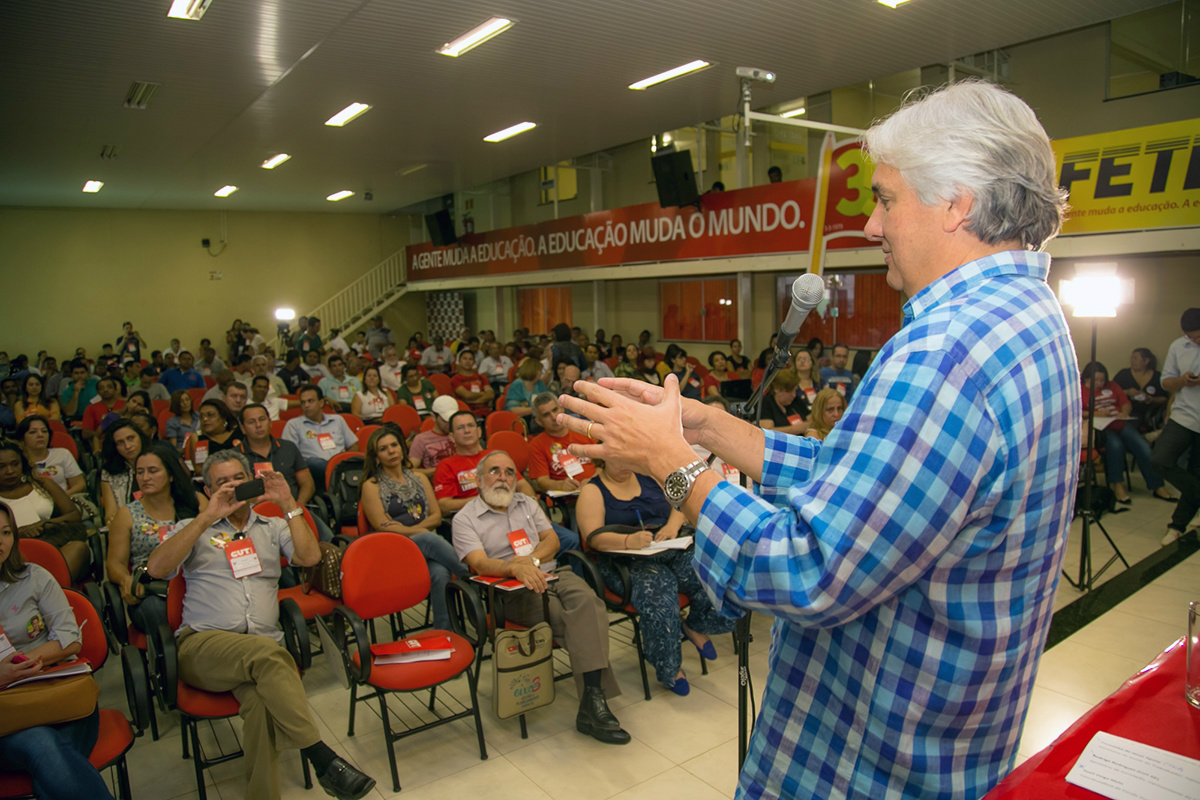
(1133, 179)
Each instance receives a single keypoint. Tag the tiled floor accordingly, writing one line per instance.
(683, 747)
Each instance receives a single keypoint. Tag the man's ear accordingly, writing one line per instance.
(956, 212)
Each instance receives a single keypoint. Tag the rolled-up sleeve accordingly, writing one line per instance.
(55, 610)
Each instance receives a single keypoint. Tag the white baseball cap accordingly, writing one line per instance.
(445, 407)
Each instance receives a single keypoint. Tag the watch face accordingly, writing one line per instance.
(675, 486)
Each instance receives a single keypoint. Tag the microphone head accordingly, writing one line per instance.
(808, 290)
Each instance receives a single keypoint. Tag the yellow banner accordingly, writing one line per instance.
(1133, 179)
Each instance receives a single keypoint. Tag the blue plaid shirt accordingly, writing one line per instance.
(913, 567)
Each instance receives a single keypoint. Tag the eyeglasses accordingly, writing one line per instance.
(507, 472)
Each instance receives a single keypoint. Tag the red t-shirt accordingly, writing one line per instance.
(548, 455)
(454, 478)
(709, 380)
(97, 411)
(473, 383)
(1109, 399)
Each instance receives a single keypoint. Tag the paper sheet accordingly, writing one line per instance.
(1123, 769)
(654, 548)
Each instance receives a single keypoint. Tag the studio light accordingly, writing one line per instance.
(285, 314)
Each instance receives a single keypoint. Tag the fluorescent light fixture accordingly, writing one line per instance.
(225, 191)
(416, 168)
(795, 112)
(275, 161)
(285, 314)
(891, 3)
(346, 114)
(1095, 291)
(91, 187)
(188, 9)
(475, 37)
(342, 195)
(509, 132)
(691, 66)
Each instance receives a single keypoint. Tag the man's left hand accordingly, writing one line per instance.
(275, 489)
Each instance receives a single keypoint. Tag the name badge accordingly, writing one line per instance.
(694, 382)
(304, 346)
(201, 454)
(418, 402)
(570, 464)
(466, 480)
(795, 419)
(344, 392)
(263, 467)
(137, 495)
(325, 440)
(243, 558)
(520, 542)
(163, 532)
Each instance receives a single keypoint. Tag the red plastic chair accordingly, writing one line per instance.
(354, 422)
(47, 556)
(116, 735)
(405, 416)
(514, 444)
(363, 434)
(60, 439)
(512, 373)
(277, 427)
(427, 424)
(363, 527)
(163, 417)
(385, 574)
(503, 421)
(312, 604)
(756, 376)
(57, 425)
(160, 406)
(442, 384)
(290, 413)
(197, 396)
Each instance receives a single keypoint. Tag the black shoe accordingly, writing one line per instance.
(345, 782)
(596, 720)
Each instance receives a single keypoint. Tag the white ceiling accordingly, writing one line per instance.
(255, 78)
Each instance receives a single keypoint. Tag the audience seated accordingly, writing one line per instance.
(596, 368)
(391, 368)
(218, 427)
(184, 419)
(292, 373)
(495, 366)
(454, 479)
(1120, 437)
(524, 387)
(210, 363)
(488, 538)
(628, 365)
(430, 447)
(164, 496)
(108, 401)
(313, 367)
(318, 436)
(78, 392)
(784, 409)
(229, 641)
(836, 375)
(373, 399)
(42, 509)
(55, 463)
(217, 392)
(827, 409)
(260, 393)
(55, 756)
(184, 376)
(1142, 383)
(33, 401)
(808, 375)
(398, 500)
(437, 357)
(235, 396)
(472, 387)
(551, 467)
(122, 443)
(338, 387)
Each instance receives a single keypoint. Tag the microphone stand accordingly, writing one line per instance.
(750, 411)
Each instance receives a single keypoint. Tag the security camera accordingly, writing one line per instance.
(752, 74)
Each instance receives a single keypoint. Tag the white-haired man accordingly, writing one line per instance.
(913, 568)
(504, 533)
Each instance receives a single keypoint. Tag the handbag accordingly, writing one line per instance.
(48, 702)
(523, 678)
(326, 575)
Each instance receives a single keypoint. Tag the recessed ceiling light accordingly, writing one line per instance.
(342, 195)
(225, 191)
(691, 66)
(91, 187)
(795, 112)
(475, 37)
(509, 132)
(346, 114)
(275, 161)
(188, 9)
(891, 3)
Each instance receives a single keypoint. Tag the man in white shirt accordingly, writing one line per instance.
(260, 389)
(495, 367)
(391, 369)
(1181, 434)
(319, 436)
(596, 369)
(437, 357)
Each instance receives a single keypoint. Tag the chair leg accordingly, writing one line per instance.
(123, 780)
(637, 641)
(184, 733)
(524, 730)
(432, 697)
(472, 684)
(307, 772)
(196, 760)
(391, 744)
(353, 705)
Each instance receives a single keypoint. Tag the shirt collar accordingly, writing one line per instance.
(1031, 263)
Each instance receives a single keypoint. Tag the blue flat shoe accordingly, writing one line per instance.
(708, 651)
(679, 687)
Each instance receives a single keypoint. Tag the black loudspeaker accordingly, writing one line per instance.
(675, 179)
(441, 228)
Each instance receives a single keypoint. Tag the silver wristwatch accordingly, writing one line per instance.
(678, 485)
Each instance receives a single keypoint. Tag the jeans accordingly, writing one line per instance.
(442, 562)
(149, 614)
(1172, 444)
(1127, 439)
(567, 538)
(55, 756)
(316, 468)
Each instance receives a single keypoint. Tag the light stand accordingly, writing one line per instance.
(750, 411)
(1095, 292)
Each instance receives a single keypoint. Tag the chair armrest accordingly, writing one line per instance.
(347, 624)
(586, 568)
(162, 655)
(470, 621)
(136, 693)
(114, 613)
(295, 633)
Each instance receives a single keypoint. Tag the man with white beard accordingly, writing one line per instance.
(504, 533)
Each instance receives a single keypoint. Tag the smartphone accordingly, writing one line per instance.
(249, 490)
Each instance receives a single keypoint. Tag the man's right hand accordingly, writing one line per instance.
(638, 541)
(533, 578)
(223, 503)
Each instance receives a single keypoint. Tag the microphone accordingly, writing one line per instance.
(807, 292)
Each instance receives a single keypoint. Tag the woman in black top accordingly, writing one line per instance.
(738, 362)
(1142, 384)
(785, 409)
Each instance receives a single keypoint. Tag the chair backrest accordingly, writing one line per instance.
(160, 406)
(405, 416)
(343, 476)
(354, 422)
(268, 509)
(503, 421)
(514, 444)
(290, 413)
(363, 528)
(176, 589)
(209, 381)
(197, 396)
(512, 373)
(57, 425)
(442, 383)
(383, 573)
(756, 376)
(163, 417)
(60, 439)
(93, 644)
(427, 424)
(48, 557)
(363, 434)
(277, 426)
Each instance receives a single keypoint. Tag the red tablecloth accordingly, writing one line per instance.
(1149, 708)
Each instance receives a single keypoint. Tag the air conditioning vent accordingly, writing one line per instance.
(108, 152)
(140, 94)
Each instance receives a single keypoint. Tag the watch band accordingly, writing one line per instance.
(678, 485)
(295, 512)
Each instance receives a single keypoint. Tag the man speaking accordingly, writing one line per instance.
(912, 570)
